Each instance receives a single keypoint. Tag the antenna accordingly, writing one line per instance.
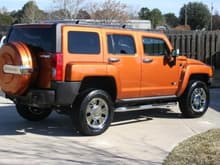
(211, 19)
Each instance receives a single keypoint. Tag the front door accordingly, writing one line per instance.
(160, 75)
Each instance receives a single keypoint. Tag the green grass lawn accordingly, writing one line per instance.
(201, 149)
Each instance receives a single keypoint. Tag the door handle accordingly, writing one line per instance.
(112, 60)
(147, 60)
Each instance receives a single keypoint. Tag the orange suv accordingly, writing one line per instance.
(90, 72)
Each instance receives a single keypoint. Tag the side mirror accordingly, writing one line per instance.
(171, 58)
(175, 52)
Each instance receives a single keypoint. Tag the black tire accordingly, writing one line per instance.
(93, 112)
(32, 113)
(195, 100)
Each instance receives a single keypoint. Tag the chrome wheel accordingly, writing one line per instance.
(93, 112)
(198, 100)
(195, 100)
(97, 112)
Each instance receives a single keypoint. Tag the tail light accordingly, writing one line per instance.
(57, 66)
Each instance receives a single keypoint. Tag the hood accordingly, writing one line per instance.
(194, 62)
(200, 66)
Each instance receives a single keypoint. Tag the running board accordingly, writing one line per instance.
(143, 107)
(150, 98)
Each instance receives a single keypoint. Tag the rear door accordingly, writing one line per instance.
(123, 58)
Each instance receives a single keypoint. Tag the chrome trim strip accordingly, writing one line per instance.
(149, 98)
(20, 70)
(45, 56)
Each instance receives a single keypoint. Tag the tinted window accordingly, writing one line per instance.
(153, 46)
(38, 37)
(83, 42)
(121, 44)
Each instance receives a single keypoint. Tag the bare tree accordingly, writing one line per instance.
(109, 11)
(69, 8)
(30, 13)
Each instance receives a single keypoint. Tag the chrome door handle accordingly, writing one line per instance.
(112, 60)
(147, 60)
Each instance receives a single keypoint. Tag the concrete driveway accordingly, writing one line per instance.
(144, 137)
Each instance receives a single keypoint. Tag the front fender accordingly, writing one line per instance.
(191, 70)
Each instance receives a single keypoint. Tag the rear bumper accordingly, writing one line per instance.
(60, 94)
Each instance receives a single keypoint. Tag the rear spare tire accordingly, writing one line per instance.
(16, 68)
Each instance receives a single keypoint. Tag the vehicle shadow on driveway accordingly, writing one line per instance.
(60, 125)
(143, 116)
(53, 149)
(55, 125)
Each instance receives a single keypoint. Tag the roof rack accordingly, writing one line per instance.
(100, 23)
(89, 22)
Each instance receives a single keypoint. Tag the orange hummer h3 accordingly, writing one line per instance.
(89, 72)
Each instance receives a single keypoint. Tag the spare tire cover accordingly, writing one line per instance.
(15, 55)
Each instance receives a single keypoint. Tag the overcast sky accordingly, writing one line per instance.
(165, 6)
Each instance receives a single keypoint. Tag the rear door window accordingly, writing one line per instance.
(121, 44)
(83, 42)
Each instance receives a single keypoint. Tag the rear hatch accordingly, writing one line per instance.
(40, 41)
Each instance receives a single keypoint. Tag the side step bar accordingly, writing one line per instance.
(144, 107)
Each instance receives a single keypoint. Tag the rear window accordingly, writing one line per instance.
(83, 42)
(38, 37)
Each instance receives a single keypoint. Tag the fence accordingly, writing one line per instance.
(201, 45)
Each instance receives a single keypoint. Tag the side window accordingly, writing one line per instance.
(155, 47)
(121, 44)
(83, 42)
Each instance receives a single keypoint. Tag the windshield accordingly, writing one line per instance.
(43, 37)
